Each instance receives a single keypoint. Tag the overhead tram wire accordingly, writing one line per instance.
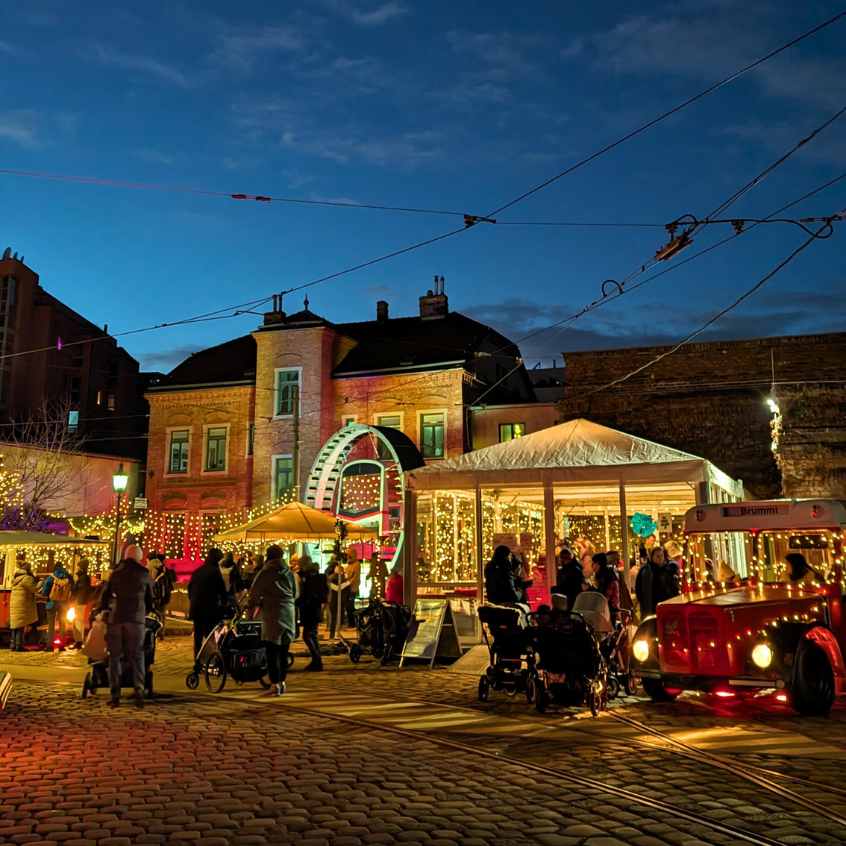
(726, 80)
(815, 236)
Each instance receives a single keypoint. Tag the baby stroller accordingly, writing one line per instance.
(613, 639)
(98, 671)
(570, 668)
(512, 659)
(382, 630)
(233, 649)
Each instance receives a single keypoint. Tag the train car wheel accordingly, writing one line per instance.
(657, 692)
(812, 690)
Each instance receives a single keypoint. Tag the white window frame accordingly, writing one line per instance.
(169, 433)
(400, 414)
(299, 371)
(247, 453)
(346, 419)
(206, 427)
(273, 459)
(420, 414)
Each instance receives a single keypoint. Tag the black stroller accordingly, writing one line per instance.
(571, 669)
(382, 630)
(234, 649)
(510, 647)
(98, 670)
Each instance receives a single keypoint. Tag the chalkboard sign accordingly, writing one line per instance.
(5, 689)
(434, 635)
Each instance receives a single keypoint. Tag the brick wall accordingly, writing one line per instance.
(486, 421)
(196, 490)
(710, 399)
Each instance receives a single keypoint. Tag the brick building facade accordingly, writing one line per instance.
(711, 399)
(268, 401)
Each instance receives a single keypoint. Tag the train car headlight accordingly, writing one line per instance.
(762, 655)
(640, 650)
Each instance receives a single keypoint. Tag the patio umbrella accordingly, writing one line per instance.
(293, 522)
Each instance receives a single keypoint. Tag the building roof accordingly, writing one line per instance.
(231, 361)
(408, 342)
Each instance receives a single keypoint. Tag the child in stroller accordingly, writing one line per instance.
(571, 667)
(510, 649)
(98, 670)
(613, 638)
(382, 630)
(232, 649)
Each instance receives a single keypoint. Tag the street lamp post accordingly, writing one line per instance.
(119, 482)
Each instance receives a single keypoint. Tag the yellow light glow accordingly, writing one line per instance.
(640, 650)
(762, 655)
(71, 614)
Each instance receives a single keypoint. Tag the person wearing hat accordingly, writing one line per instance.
(274, 591)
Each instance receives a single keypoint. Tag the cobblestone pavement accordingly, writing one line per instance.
(239, 767)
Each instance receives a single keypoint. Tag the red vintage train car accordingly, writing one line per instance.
(740, 623)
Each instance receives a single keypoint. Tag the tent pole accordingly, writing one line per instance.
(409, 550)
(549, 532)
(624, 531)
(480, 583)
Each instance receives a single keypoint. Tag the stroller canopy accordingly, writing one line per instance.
(593, 606)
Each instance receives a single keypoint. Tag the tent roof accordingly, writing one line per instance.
(22, 538)
(576, 451)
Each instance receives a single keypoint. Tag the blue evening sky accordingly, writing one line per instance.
(437, 104)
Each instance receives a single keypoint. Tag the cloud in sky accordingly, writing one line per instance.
(21, 127)
(166, 359)
(369, 16)
(240, 49)
(141, 64)
(153, 156)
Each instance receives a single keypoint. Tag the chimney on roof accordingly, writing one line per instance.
(381, 311)
(275, 315)
(435, 303)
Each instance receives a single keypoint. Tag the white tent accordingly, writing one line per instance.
(577, 461)
(576, 451)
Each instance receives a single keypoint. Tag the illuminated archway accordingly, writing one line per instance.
(357, 442)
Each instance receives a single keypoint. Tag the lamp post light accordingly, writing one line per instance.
(119, 482)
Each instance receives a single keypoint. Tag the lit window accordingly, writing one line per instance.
(99, 397)
(73, 421)
(392, 421)
(283, 475)
(178, 451)
(110, 402)
(251, 438)
(216, 449)
(509, 431)
(432, 435)
(287, 392)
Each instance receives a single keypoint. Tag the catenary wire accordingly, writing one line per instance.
(672, 111)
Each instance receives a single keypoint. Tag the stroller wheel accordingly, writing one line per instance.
(613, 687)
(630, 685)
(484, 689)
(355, 653)
(290, 660)
(215, 673)
(192, 681)
(531, 689)
(541, 697)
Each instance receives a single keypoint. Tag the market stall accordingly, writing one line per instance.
(574, 481)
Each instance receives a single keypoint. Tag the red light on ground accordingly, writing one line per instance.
(781, 697)
(57, 641)
(725, 694)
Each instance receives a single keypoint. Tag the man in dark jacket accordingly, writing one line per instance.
(128, 597)
(206, 597)
(314, 593)
(657, 581)
(569, 577)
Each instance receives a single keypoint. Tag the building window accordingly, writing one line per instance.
(178, 451)
(99, 397)
(392, 421)
(73, 421)
(432, 435)
(215, 449)
(287, 391)
(110, 402)
(251, 438)
(509, 431)
(283, 475)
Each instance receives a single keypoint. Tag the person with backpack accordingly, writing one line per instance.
(58, 588)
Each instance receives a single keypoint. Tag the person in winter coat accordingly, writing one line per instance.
(207, 596)
(657, 581)
(353, 576)
(274, 591)
(338, 587)
(314, 592)
(232, 582)
(58, 588)
(394, 588)
(163, 581)
(569, 576)
(127, 598)
(608, 584)
(83, 597)
(501, 587)
(23, 611)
